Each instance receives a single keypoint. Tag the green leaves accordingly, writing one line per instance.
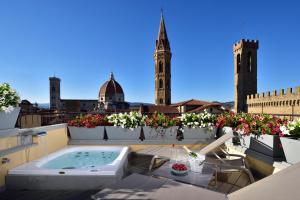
(8, 97)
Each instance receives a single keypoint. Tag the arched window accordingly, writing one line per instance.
(238, 63)
(249, 62)
(161, 83)
(53, 89)
(161, 101)
(160, 67)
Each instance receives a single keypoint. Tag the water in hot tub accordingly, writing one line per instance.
(82, 160)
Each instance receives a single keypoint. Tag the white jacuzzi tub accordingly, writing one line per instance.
(76, 167)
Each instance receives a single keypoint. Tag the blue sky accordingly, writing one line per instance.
(82, 41)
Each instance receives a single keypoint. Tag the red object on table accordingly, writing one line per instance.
(179, 167)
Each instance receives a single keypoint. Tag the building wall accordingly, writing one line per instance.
(55, 139)
(74, 105)
(29, 121)
(275, 102)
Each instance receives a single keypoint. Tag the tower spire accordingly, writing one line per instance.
(162, 38)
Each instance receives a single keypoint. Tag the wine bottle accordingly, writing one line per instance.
(191, 153)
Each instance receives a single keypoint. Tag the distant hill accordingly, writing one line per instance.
(228, 105)
(137, 104)
(44, 105)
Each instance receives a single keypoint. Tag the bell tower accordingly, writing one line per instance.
(54, 93)
(162, 59)
(245, 72)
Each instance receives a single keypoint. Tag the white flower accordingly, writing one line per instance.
(284, 130)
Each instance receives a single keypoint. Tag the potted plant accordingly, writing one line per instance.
(198, 126)
(290, 142)
(265, 132)
(87, 127)
(228, 122)
(159, 126)
(126, 126)
(9, 106)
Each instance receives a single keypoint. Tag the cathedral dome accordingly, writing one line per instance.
(111, 90)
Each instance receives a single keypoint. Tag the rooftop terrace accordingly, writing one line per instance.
(21, 146)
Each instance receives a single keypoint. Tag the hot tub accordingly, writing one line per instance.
(72, 168)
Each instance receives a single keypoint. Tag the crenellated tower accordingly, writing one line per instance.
(162, 58)
(245, 72)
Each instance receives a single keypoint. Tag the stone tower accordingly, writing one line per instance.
(245, 72)
(54, 93)
(162, 58)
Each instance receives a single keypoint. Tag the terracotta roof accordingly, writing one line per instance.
(201, 108)
(159, 108)
(192, 102)
(111, 87)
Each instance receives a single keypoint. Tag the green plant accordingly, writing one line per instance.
(201, 120)
(159, 120)
(8, 98)
(256, 124)
(125, 120)
(294, 128)
(89, 121)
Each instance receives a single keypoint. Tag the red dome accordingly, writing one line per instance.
(110, 88)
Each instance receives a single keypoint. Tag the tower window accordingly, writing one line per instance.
(161, 101)
(160, 67)
(161, 83)
(249, 61)
(238, 63)
(53, 89)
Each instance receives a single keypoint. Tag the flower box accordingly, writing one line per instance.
(235, 141)
(82, 133)
(291, 148)
(267, 145)
(119, 133)
(8, 119)
(199, 133)
(160, 133)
